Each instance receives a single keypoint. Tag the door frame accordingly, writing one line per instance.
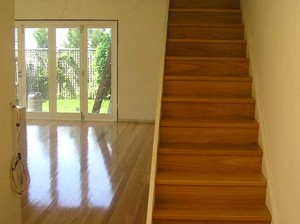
(83, 25)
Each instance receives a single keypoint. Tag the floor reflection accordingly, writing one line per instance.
(99, 186)
(68, 167)
(39, 165)
(74, 157)
(87, 172)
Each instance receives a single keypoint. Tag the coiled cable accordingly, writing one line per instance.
(19, 174)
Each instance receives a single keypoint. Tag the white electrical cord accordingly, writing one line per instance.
(19, 174)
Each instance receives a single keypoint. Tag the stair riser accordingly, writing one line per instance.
(209, 163)
(207, 68)
(190, 49)
(207, 110)
(162, 221)
(205, 4)
(205, 33)
(208, 135)
(179, 195)
(207, 88)
(205, 17)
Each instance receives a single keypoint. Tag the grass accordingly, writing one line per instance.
(73, 106)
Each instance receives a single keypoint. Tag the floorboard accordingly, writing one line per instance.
(87, 172)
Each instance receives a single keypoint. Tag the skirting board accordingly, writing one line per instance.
(136, 121)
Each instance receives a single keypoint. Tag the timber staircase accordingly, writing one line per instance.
(209, 162)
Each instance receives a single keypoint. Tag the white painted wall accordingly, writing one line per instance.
(273, 34)
(10, 204)
(141, 41)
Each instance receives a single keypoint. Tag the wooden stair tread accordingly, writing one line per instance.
(206, 41)
(205, 123)
(167, 177)
(210, 4)
(212, 211)
(236, 100)
(207, 25)
(207, 78)
(182, 58)
(208, 149)
(205, 10)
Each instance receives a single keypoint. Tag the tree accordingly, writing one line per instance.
(67, 66)
(103, 68)
(102, 52)
(39, 73)
(41, 37)
(95, 37)
(104, 88)
(73, 36)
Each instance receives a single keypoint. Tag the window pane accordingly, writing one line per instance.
(99, 70)
(37, 75)
(68, 69)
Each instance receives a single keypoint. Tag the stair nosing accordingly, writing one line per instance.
(207, 78)
(243, 42)
(236, 100)
(217, 182)
(182, 58)
(201, 124)
(171, 150)
(212, 25)
(205, 10)
(211, 218)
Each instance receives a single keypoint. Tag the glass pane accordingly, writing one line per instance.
(99, 70)
(68, 70)
(37, 75)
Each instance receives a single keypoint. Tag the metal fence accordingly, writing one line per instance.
(67, 73)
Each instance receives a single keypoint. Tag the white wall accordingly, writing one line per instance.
(141, 41)
(10, 204)
(273, 34)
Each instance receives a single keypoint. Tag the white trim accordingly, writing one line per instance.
(21, 66)
(151, 195)
(83, 76)
(259, 115)
(51, 72)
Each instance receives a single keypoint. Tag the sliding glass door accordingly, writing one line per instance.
(67, 70)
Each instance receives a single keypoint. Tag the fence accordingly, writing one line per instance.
(67, 73)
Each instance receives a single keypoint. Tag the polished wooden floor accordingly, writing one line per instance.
(87, 172)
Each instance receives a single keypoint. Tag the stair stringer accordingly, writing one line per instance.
(151, 193)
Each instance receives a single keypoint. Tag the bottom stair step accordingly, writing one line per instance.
(160, 221)
(211, 213)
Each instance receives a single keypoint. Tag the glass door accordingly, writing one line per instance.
(67, 70)
(68, 58)
(36, 67)
(101, 68)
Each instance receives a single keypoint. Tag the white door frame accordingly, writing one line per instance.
(83, 25)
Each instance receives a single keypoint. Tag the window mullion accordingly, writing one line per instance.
(83, 69)
(52, 70)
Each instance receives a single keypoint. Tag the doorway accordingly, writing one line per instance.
(67, 70)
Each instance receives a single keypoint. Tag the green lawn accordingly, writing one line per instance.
(72, 106)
